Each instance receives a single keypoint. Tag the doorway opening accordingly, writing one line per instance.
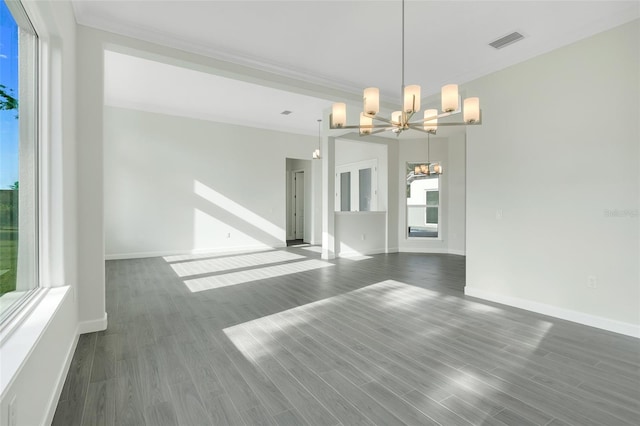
(298, 201)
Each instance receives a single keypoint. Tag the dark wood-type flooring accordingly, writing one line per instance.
(280, 337)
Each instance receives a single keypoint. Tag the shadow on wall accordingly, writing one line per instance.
(241, 219)
(178, 179)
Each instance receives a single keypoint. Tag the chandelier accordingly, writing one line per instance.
(402, 120)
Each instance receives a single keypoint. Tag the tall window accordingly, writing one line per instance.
(423, 201)
(18, 157)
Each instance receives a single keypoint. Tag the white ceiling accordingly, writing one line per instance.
(350, 45)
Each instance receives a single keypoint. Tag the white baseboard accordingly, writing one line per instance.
(428, 250)
(615, 326)
(55, 397)
(140, 255)
(393, 250)
(93, 325)
(353, 253)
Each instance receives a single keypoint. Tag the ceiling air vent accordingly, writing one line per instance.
(286, 112)
(506, 40)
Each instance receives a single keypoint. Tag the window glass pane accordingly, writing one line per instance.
(433, 198)
(365, 190)
(345, 191)
(432, 215)
(18, 157)
(423, 200)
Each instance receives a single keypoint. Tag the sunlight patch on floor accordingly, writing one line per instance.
(212, 255)
(265, 340)
(314, 249)
(355, 256)
(250, 260)
(258, 274)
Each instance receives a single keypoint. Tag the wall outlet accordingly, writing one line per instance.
(13, 415)
(228, 234)
(592, 281)
(499, 214)
(364, 237)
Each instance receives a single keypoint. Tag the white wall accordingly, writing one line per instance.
(178, 185)
(456, 192)
(91, 271)
(360, 233)
(37, 351)
(558, 154)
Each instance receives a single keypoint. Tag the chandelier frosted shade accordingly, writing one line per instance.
(431, 123)
(450, 98)
(365, 124)
(396, 117)
(411, 98)
(471, 109)
(371, 98)
(339, 115)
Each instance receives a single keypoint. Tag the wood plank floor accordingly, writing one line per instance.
(280, 337)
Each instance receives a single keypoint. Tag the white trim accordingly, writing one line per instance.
(423, 250)
(353, 253)
(457, 252)
(393, 250)
(55, 397)
(615, 326)
(93, 325)
(19, 342)
(140, 255)
(354, 170)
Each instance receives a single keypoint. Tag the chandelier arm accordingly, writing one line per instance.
(445, 114)
(418, 126)
(421, 129)
(368, 126)
(383, 119)
(442, 115)
(382, 130)
(408, 116)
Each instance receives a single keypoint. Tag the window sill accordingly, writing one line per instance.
(22, 332)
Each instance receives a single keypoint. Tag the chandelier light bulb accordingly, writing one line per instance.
(365, 121)
(472, 110)
(371, 100)
(431, 125)
(450, 98)
(396, 117)
(339, 114)
(412, 98)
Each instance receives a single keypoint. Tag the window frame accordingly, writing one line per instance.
(18, 308)
(354, 170)
(425, 238)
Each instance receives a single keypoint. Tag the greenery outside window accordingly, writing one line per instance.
(19, 162)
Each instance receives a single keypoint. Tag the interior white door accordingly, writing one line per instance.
(298, 199)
